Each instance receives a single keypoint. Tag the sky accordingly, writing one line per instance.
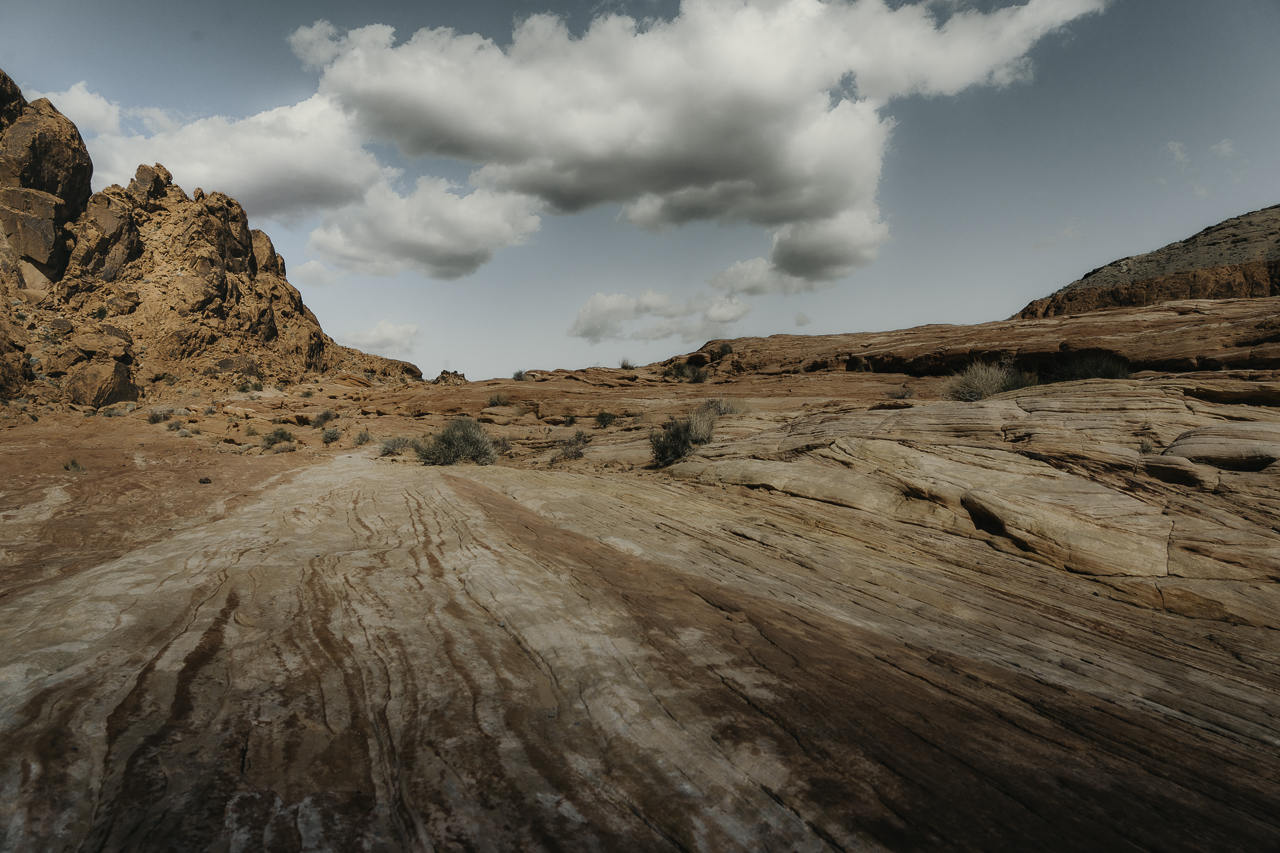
(496, 185)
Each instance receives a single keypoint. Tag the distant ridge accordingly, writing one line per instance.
(1238, 258)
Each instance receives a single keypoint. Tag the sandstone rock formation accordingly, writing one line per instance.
(182, 284)
(1238, 258)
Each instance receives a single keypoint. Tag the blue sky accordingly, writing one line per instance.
(553, 184)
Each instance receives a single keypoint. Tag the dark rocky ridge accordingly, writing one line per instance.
(105, 294)
(1238, 258)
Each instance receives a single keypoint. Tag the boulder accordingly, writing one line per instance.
(100, 383)
(1233, 446)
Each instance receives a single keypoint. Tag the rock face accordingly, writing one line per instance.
(183, 281)
(1238, 258)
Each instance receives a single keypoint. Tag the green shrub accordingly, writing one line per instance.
(979, 381)
(242, 388)
(330, 435)
(100, 313)
(499, 400)
(73, 466)
(604, 420)
(678, 436)
(362, 438)
(460, 440)
(255, 385)
(518, 376)
(572, 448)
(1091, 366)
(394, 446)
(323, 418)
(279, 435)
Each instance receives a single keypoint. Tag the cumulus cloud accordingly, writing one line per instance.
(1226, 149)
(313, 274)
(91, 113)
(802, 319)
(385, 338)
(604, 317)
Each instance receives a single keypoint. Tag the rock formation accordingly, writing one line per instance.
(1238, 258)
(105, 294)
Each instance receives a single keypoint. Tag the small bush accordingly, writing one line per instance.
(284, 447)
(499, 400)
(903, 393)
(725, 349)
(677, 437)
(462, 439)
(570, 420)
(210, 410)
(330, 435)
(250, 430)
(72, 466)
(255, 385)
(242, 388)
(184, 433)
(1094, 366)
(171, 380)
(518, 376)
(393, 446)
(626, 364)
(323, 418)
(679, 370)
(502, 445)
(100, 313)
(21, 315)
(362, 438)
(112, 413)
(572, 448)
(604, 420)
(1147, 447)
(279, 435)
(174, 426)
(698, 375)
(307, 394)
(724, 406)
(979, 381)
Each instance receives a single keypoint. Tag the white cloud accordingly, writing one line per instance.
(385, 338)
(313, 274)
(802, 319)
(91, 113)
(1179, 153)
(605, 317)
(1226, 149)
(435, 229)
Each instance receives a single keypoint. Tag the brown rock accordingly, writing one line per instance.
(100, 383)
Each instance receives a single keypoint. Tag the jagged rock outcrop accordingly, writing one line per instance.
(143, 277)
(1238, 258)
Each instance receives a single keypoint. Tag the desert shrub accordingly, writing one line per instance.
(903, 393)
(21, 315)
(979, 381)
(460, 440)
(679, 370)
(394, 446)
(184, 433)
(242, 388)
(72, 466)
(307, 394)
(100, 313)
(362, 438)
(499, 400)
(572, 448)
(1092, 366)
(112, 413)
(502, 445)
(171, 380)
(1147, 447)
(330, 435)
(698, 375)
(323, 418)
(284, 447)
(518, 376)
(279, 435)
(678, 436)
(255, 385)
(604, 420)
(626, 364)
(173, 426)
(725, 406)
(725, 349)
(210, 410)
(570, 420)
(250, 430)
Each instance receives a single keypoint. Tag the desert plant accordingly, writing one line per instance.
(725, 349)
(284, 447)
(626, 364)
(307, 394)
(677, 437)
(1147, 447)
(184, 433)
(502, 445)
(1091, 366)
(210, 410)
(100, 313)
(250, 430)
(330, 435)
(72, 466)
(725, 406)
(979, 381)
(279, 435)
(323, 418)
(679, 370)
(21, 315)
(362, 438)
(460, 440)
(604, 420)
(112, 413)
(171, 380)
(572, 448)
(698, 375)
(242, 388)
(394, 446)
(570, 420)
(903, 393)
(255, 385)
(499, 400)
(173, 426)
(518, 376)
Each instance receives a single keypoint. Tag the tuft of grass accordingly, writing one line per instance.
(255, 385)
(903, 393)
(250, 430)
(979, 381)
(572, 448)
(157, 417)
(330, 435)
(570, 420)
(100, 313)
(678, 436)
(174, 426)
(362, 438)
(73, 466)
(626, 364)
(725, 349)
(460, 440)
(279, 435)
(1092, 366)
(725, 406)
(518, 376)
(698, 375)
(185, 433)
(210, 410)
(604, 420)
(306, 394)
(112, 413)
(323, 418)
(499, 400)
(1147, 447)
(394, 446)
(502, 445)
(284, 447)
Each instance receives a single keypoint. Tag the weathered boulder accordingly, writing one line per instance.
(1234, 446)
(100, 383)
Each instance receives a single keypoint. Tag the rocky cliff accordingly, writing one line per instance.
(107, 293)
(1233, 259)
